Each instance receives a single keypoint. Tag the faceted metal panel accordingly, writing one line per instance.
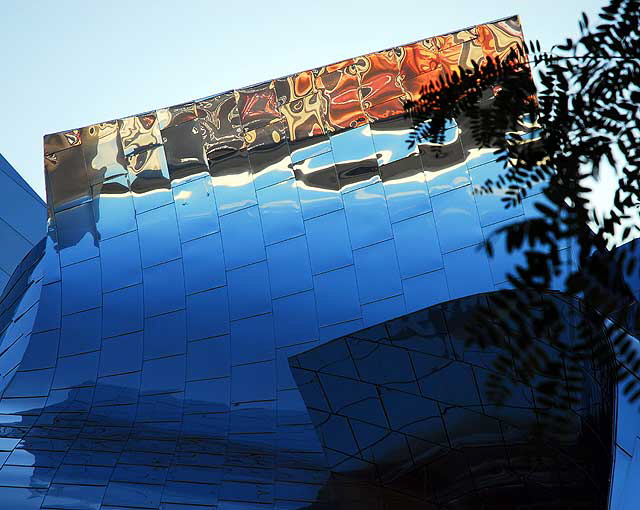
(193, 250)
(403, 408)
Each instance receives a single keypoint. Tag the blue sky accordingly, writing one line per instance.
(67, 64)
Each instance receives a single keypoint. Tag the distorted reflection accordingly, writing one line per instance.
(244, 302)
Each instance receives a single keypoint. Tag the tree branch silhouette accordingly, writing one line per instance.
(583, 118)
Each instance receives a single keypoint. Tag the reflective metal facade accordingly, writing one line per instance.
(405, 408)
(193, 251)
(626, 475)
(23, 217)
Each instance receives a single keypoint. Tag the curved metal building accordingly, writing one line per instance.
(249, 301)
(23, 217)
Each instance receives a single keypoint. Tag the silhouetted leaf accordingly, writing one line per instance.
(587, 112)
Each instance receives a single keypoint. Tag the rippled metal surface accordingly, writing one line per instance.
(193, 250)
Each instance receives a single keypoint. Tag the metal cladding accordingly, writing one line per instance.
(405, 405)
(23, 217)
(194, 252)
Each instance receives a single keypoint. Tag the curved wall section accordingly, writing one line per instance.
(194, 249)
(23, 219)
(403, 408)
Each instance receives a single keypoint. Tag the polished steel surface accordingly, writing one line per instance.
(192, 251)
(404, 407)
(23, 217)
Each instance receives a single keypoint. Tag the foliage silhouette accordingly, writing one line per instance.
(584, 118)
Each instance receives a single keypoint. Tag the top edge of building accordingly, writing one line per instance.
(57, 141)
